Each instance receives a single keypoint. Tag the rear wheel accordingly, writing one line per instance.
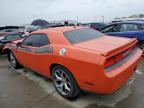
(15, 64)
(64, 82)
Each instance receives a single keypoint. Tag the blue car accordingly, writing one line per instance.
(130, 29)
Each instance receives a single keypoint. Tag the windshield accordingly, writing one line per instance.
(80, 35)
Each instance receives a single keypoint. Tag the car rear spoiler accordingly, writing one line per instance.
(131, 43)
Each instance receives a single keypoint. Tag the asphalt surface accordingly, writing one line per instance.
(25, 89)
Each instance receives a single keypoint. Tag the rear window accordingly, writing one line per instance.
(81, 35)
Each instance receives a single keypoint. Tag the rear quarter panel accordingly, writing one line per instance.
(85, 66)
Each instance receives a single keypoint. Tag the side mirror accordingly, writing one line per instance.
(18, 44)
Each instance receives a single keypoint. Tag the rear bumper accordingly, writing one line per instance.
(116, 78)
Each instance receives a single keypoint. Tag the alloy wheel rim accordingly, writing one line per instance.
(62, 82)
(12, 59)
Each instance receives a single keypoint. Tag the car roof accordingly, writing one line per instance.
(60, 29)
(129, 22)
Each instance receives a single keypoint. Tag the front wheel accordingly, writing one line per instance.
(64, 82)
(15, 64)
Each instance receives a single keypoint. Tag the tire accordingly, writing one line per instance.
(15, 64)
(64, 82)
(141, 45)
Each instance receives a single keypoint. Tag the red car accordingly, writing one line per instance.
(7, 38)
(77, 58)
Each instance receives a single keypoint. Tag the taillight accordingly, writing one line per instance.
(110, 62)
(118, 57)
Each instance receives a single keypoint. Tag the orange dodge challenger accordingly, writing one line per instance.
(77, 58)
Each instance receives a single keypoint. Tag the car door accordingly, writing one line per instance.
(26, 52)
(44, 55)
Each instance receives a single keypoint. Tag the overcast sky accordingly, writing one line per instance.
(18, 12)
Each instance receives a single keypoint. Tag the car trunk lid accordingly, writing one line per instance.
(108, 45)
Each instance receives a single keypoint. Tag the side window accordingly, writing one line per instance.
(141, 27)
(112, 28)
(36, 40)
(13, 37)
(32, 40)
(44, 40)
(128, 27)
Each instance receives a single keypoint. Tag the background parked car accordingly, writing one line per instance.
(51, 25)
(12, 29)
(29, 28)
(130, 29)
(42, 24)
(95, 25)
(8, 38)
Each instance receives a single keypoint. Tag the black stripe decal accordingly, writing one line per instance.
(25, 49)
(44, 50)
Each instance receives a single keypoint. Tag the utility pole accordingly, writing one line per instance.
(77, 20)
(103, 19)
